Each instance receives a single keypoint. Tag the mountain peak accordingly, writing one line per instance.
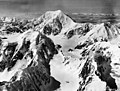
(30, 56)
(103, 31)
(54, 21)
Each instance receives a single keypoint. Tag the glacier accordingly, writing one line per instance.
(55, 53)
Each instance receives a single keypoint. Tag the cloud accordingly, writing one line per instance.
(14, 1)
(108, 6)
(26, 6)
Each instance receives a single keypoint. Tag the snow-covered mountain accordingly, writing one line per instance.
(54, 53)
(55, 22)
(24, 62)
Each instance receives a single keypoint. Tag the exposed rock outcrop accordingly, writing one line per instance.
(26, 62)
(53, 52)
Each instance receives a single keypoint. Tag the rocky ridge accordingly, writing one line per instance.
(88, 53)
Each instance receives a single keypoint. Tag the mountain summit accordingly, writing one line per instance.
(54, 53)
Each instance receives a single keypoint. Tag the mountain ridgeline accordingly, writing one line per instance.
(32, 50)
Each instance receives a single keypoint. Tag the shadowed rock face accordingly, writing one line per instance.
(82, 30)
(92, 63)
(28, 59)
(104, 69)
(97, 63)
(7, 55)
(53, 28)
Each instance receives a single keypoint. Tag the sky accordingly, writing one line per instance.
(24, 7)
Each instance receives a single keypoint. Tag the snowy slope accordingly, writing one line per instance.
(55, 22)
(80, 61)
(24, 60)
(54, 53)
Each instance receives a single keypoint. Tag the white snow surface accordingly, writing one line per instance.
(66, 66)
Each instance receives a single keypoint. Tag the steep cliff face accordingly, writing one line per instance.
(99, 49)
(24, 62)
(104, 31)
(86, 55)
(53, 53)
(90, 59)
(56, 22)
(51, 16)
(99, 68)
